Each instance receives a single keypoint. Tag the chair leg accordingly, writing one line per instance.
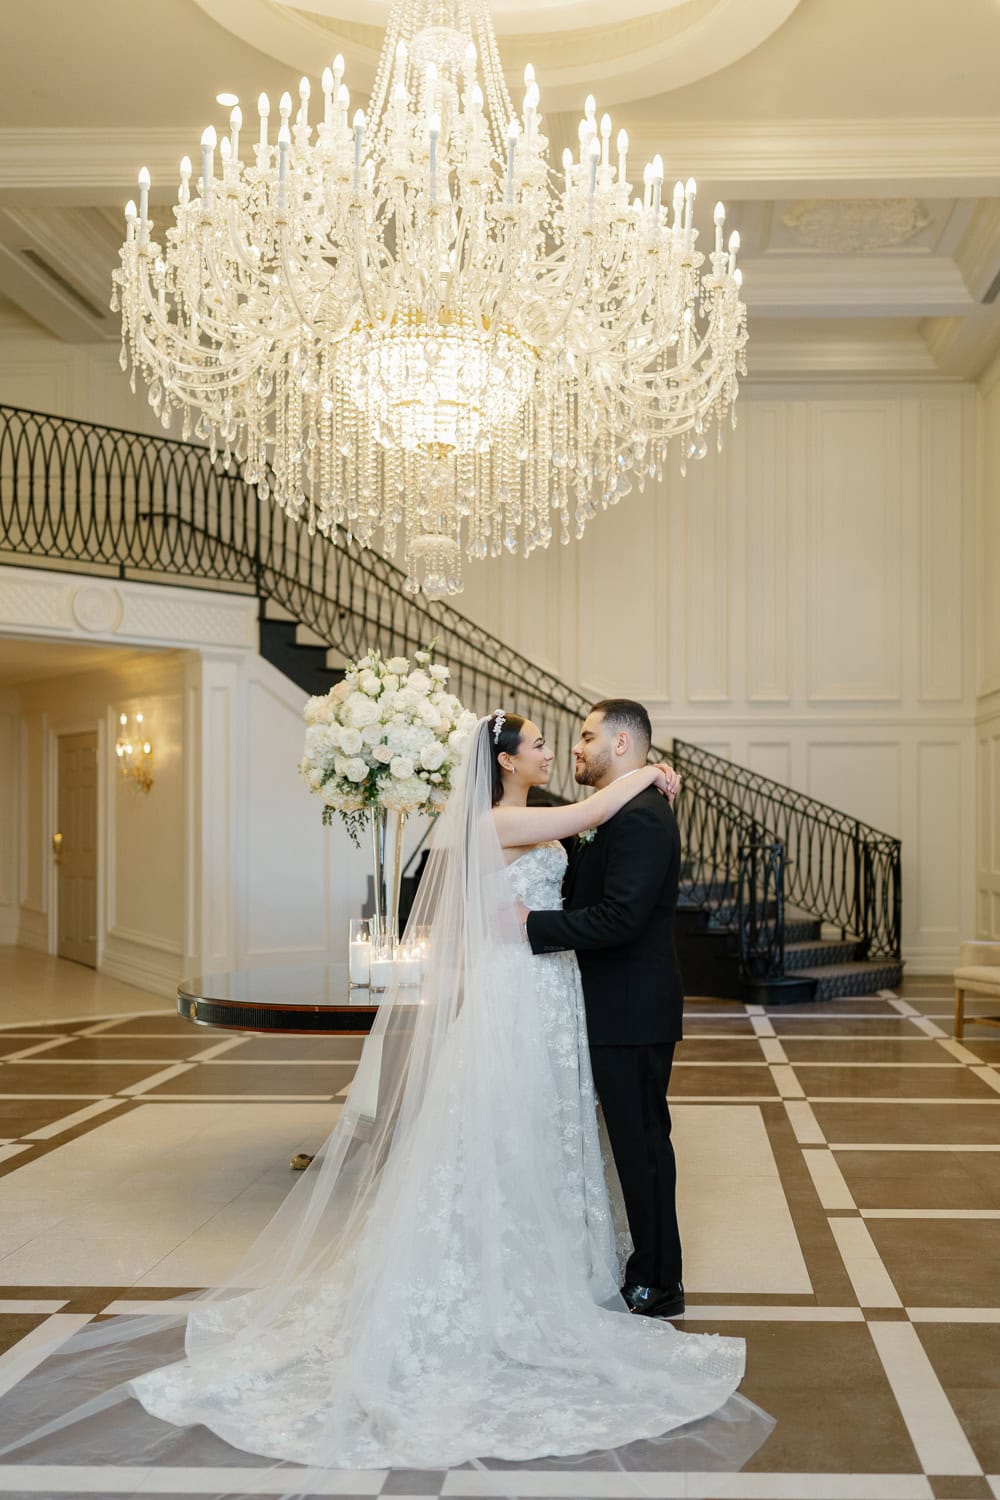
(959, 1013)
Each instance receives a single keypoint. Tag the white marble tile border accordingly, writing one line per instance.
(911, 1146)
(63, 1479)
(934, 1429)
(930, 1213)
(871, 1281)
(805, 1126)
(828, 1180)
(583, 1484)
(9, 1150)
(953, 1314)
(28, 1306)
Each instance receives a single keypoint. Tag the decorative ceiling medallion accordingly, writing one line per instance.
(634, 50)
(845, 225)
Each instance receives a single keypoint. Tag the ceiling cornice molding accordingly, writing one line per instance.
(798, 156)
(860, 286)
(752, 158)
(835, 359)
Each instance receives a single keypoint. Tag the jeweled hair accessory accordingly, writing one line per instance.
(499, 720)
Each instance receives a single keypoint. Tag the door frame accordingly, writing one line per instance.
(53, 729)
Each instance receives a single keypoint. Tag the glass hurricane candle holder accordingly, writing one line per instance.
(359, 950)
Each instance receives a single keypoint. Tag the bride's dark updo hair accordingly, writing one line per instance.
(506, 742)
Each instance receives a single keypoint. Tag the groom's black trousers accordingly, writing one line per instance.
(631, 1084)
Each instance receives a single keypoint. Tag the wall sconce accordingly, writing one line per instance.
(134, 752)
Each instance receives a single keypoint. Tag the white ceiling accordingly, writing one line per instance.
(24, 661)
(855, 142)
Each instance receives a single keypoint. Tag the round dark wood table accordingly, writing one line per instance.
(313, 999)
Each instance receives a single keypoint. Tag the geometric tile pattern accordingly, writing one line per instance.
(857, 1133)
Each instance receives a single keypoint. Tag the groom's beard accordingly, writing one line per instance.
(592, 770)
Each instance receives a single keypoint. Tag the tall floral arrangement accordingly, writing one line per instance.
(387, 736)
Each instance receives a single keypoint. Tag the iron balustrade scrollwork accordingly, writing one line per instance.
(735, 875)
(101, 500)
(843, 871)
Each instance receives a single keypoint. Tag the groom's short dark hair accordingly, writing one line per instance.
(625, 713)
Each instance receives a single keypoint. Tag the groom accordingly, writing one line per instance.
(620, 893)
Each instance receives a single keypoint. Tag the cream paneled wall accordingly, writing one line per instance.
(803, 603)
(73, 380)
(988, 664)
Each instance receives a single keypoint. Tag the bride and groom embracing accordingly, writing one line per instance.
(457, 1275)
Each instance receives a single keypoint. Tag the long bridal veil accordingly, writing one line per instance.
(420, 1299)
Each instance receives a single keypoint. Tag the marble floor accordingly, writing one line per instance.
(839, 1191)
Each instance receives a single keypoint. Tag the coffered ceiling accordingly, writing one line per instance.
(856, 144)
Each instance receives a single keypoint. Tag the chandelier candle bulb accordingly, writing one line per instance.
(690, 193)
(305, 91)
(359, 132)
(622, 157)
(235, 126)
(144, 180)
(130, 218)
(284, 142)
(338, 67)
(433, 133)
(720, 219)
(263, 110)
(513, 131)
(208, 141)
(734, 245)
(327, 97)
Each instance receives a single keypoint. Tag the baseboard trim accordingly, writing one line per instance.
(150, 974)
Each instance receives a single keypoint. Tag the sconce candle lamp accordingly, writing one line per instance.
(134, 752)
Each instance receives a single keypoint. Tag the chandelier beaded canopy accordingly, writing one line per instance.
(403, 326)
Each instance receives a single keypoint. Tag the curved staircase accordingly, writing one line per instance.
(95, 499)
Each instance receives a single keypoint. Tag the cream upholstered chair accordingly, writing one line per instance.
(978, 973)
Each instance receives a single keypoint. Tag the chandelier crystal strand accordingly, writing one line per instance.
(408, 332)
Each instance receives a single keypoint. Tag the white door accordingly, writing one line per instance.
(76, 848)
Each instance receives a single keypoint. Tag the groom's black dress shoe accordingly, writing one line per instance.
(655, 1301)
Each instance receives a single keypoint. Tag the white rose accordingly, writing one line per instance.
(441, 674)
(457, 741)
(350, 741)
(317, 741)
(419, 682)
(432, 756)
(370, 683)
(371, 734)
(423, 657)
(356, 770)
(390, 682)
(436, 777)
(382, 754)
(428, 713)
(467, 722)
(401, 768)
(398, 665)
(318, 710)
(359, 710)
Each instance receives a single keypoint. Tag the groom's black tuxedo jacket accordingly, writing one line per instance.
(620, 893)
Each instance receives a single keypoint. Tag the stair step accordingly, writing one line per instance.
(815, 954)
(838, 981)
(305, 636)
(275, 611)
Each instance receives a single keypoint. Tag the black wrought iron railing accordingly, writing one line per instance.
(839, 869)
(100, 500)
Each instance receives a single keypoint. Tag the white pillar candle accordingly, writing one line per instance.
(360, 962)
(381, 973)
(408, 967)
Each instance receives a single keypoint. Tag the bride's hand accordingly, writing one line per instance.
(670, 784)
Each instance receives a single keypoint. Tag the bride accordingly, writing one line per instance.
(442, 1284)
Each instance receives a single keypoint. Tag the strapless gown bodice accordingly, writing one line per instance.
(537, 877)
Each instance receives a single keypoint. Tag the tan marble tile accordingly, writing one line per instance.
(15, 1326)
(43, 1077)
(118, 1048)
(930, 1124)
(847, 1026)
(712, 1049)
(223, 1077)
(826, 1387)
(913, 1179)
(940, 1262)
(953, 1082)
(727, 1082)
(902, 1050)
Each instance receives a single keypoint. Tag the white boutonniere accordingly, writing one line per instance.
(587, 836)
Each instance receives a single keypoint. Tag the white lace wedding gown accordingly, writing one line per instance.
(419, 1349)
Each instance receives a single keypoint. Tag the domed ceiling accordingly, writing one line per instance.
(634, 48)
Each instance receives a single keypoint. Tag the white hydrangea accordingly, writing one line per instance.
(401, 768)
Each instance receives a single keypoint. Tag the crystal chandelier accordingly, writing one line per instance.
(402, 326)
